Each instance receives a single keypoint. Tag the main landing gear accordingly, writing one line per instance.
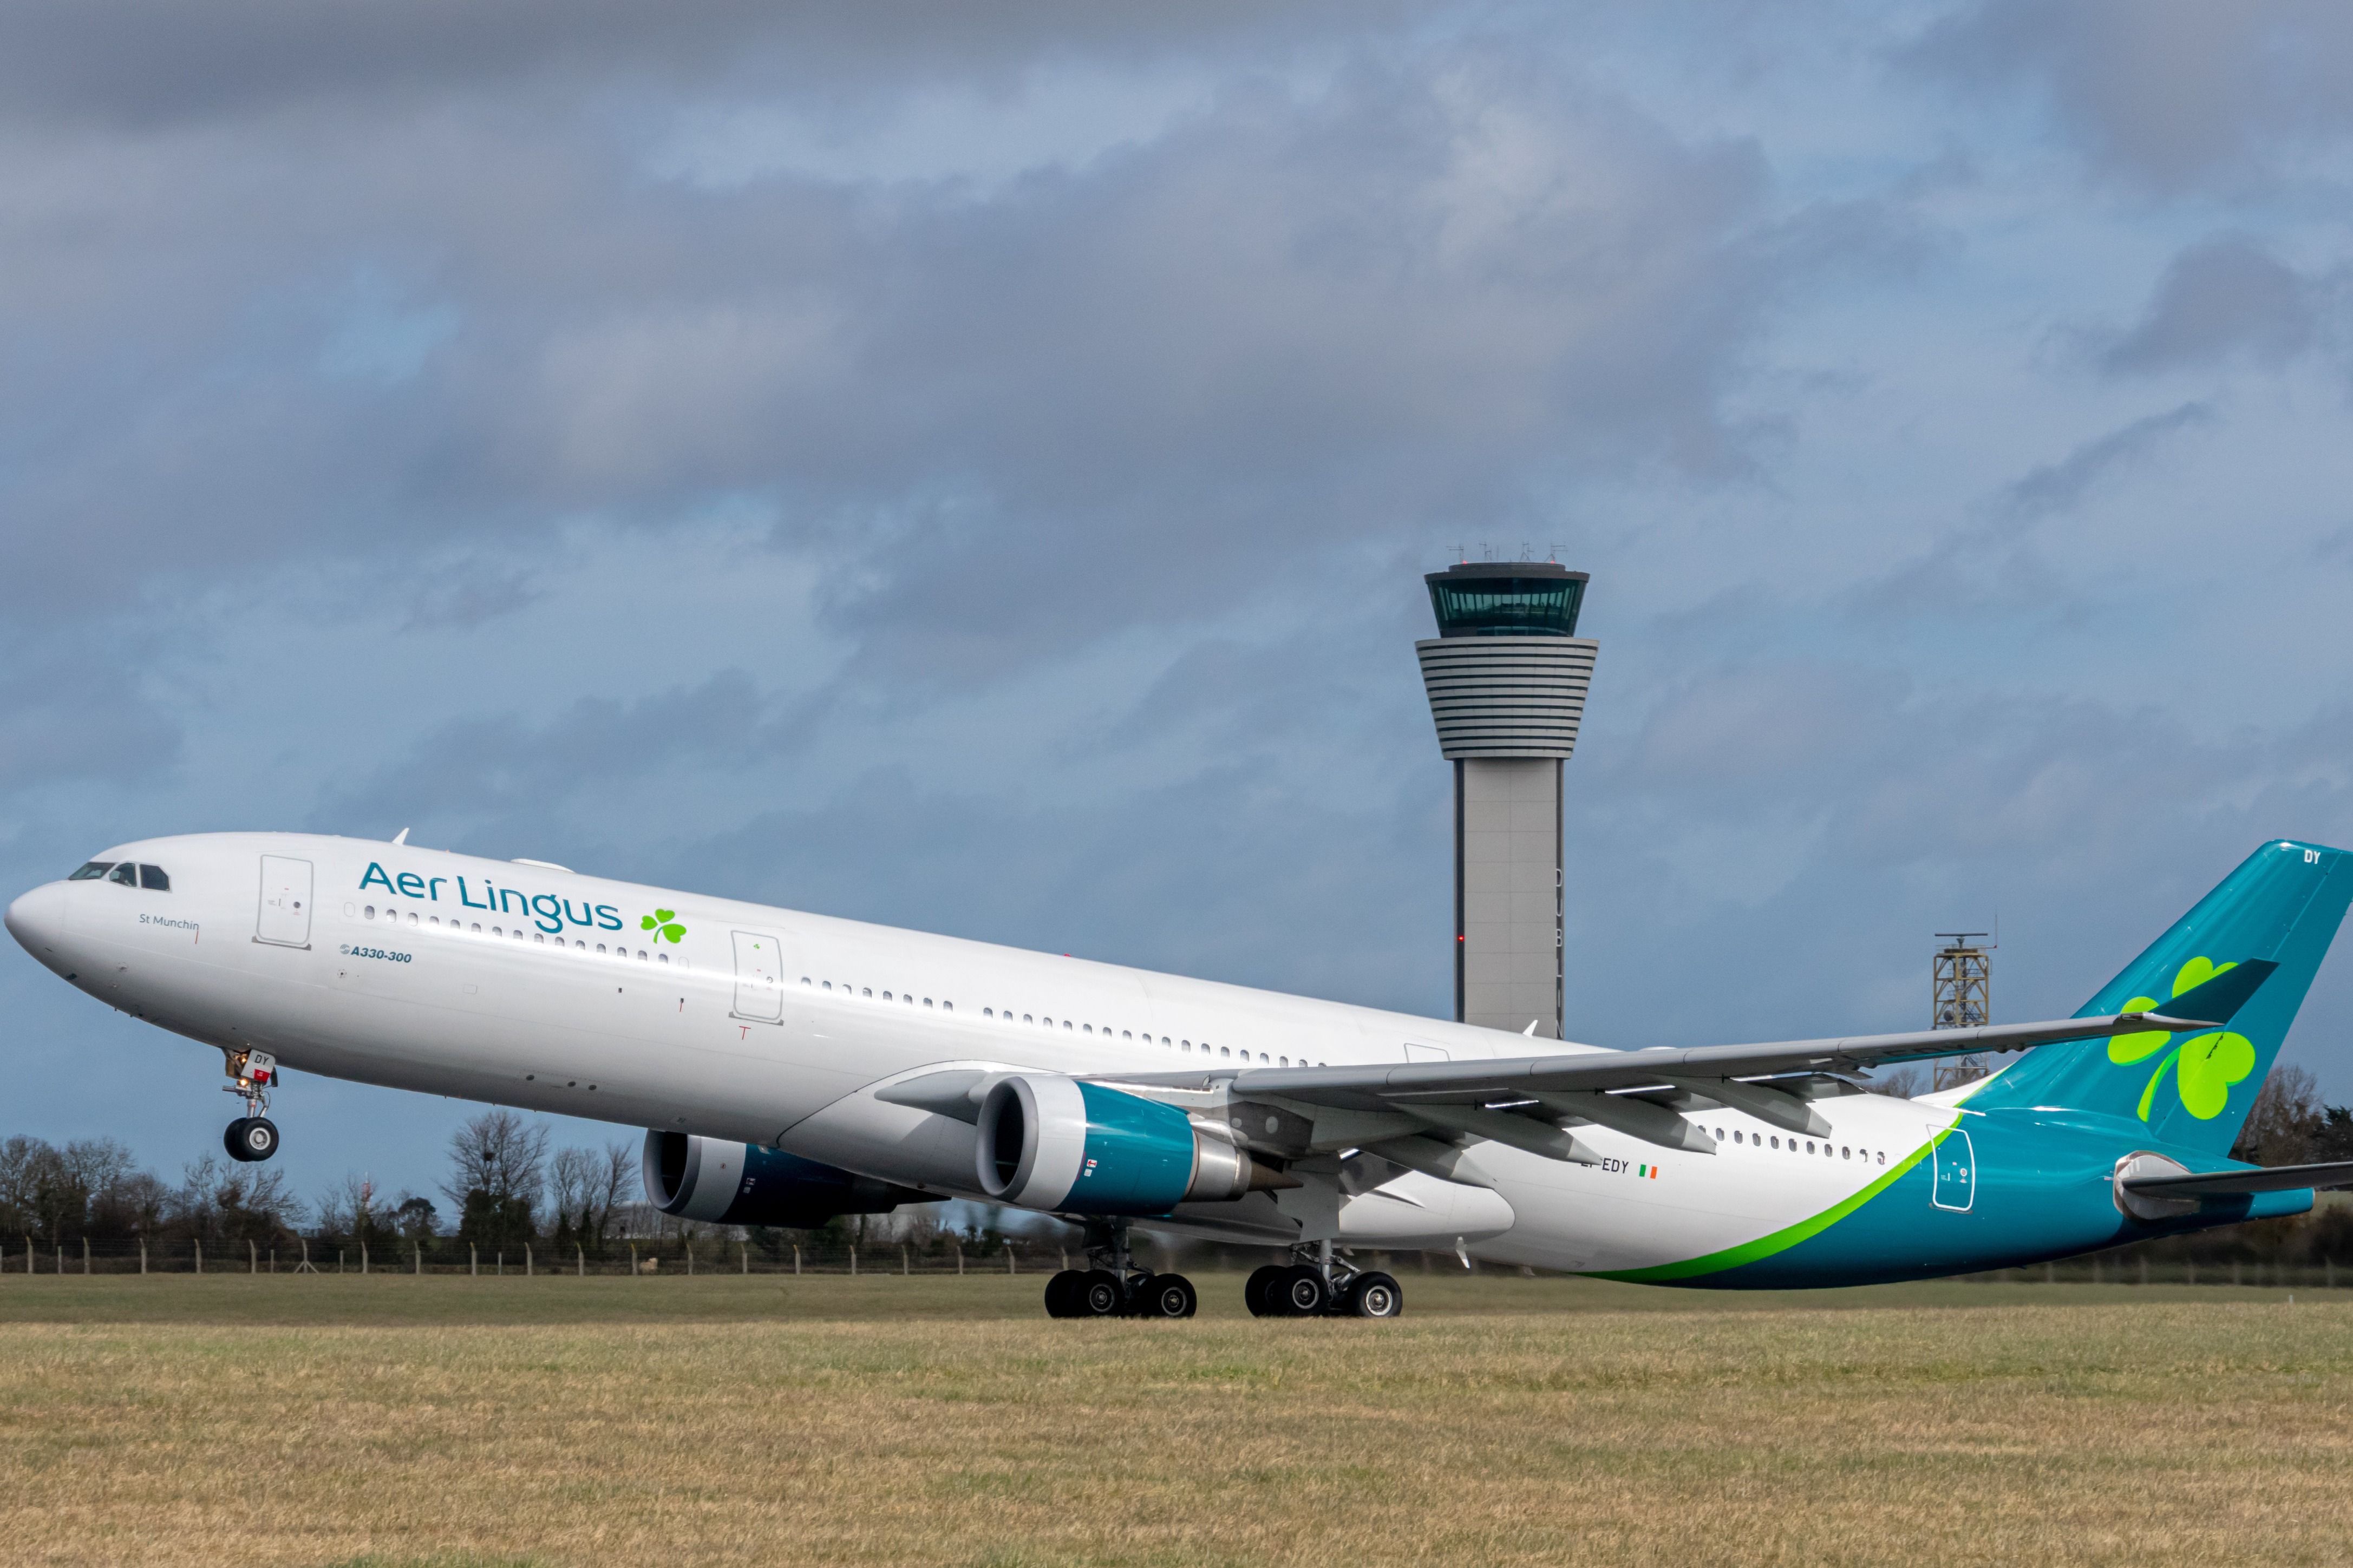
(1114, 1287)
(1316, 1284)
(253, 1136)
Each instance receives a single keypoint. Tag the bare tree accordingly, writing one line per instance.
(1903, 1082)
(622, 1181)
(574, 1177)
(498, 1170)
(2284, 1120)
(499, 1154)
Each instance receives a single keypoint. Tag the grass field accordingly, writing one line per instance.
(389, 1421)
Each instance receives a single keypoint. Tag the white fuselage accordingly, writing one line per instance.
(536, 987)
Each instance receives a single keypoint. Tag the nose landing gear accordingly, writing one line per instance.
(1115, 1287)
(253, 1136)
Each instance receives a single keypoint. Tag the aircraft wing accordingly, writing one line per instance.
(1531, 1101)
(2221, 1184)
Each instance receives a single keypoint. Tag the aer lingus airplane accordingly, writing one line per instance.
(790, 1066)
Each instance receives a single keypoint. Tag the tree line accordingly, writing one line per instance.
(505, 1190)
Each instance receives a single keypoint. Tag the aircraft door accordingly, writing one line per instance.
(285, 916)
(759, 977)
(1955, 1173)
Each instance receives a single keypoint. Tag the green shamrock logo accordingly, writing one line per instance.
(662, 923)
(2204, 1068)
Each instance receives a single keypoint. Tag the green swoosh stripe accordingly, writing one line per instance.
(1779, 1240)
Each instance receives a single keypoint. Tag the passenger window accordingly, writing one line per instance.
(927, 1001)
(151, 877)
(1124, 1034)
(1222, 1050)
(91, 871)
(370, 912)
(494, 930)
(412, 916)
(1846, 1154)
(127, 874)
(1066, 1025)
(1091, 1028)
(886, 995)
(1777, 1143)
(1025, 1017)
(947, 1007)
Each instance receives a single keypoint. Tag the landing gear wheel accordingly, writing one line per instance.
(1372, 1295)
(1258, 1291)
(260, 1137)
(1099, 1295)
(1063, 1293)
(1168, 1296)
(1301, 1293)
(233, 1140)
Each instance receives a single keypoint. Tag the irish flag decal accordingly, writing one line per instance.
(1647, 1173)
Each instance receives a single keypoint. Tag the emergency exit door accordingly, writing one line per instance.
(759, 977)
(285, 917)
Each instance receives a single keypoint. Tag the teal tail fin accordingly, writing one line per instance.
(2283, 904)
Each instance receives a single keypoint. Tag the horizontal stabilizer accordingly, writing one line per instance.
(2221, 997)
(2223, 1184)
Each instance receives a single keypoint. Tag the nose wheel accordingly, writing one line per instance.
(252, 1137)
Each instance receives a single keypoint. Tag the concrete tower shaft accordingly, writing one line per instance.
(1506, 677)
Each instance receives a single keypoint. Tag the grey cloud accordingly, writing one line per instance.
(2220, 298)
(506, 781)
(1100, 396)
(2171, 94)
(150, 62)
(2056, 486)
(79, 712)
(468, 594)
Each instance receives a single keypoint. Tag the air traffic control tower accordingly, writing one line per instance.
(1508, 675)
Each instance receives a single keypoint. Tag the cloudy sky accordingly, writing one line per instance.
(971, 467)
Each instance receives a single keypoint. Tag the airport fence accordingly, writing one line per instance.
(651, 1256)
(672, 1257)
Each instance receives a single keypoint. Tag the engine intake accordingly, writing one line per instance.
(725, 1182)
(1052, 1143)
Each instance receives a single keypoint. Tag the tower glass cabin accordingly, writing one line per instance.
(1507, 676)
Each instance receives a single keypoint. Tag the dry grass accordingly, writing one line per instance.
(391, 1421)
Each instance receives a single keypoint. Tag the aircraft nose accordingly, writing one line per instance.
(36, 919)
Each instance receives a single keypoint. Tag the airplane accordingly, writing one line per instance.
(790, 1066)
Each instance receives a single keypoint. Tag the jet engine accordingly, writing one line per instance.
(745, 1184)
(1052, 1143)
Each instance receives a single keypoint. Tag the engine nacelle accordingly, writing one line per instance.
(745, 1184)
(1052, 1143)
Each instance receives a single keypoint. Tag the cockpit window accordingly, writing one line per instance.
(91, 871)
(154, 877)
(127, 874)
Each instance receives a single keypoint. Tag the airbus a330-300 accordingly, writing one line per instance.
(789, 1067)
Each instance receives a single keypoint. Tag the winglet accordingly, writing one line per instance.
(401, 837)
